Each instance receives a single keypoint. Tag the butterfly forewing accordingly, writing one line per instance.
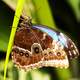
(63, 40)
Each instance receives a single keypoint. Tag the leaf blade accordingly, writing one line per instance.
(15, 23)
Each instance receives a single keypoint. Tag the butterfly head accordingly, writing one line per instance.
(27, 22)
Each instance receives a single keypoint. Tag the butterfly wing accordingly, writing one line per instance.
(53, 47)
(63, 40)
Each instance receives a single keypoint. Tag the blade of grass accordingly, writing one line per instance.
(43, 13)
(75, 6)
(15, 23)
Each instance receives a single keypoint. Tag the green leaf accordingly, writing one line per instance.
(15, 23)
(43, 13)
(75, 4)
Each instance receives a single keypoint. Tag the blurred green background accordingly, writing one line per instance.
(58, 14)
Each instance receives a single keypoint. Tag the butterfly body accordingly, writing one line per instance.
(36, 46)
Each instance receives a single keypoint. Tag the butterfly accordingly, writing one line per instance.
(36, 46)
